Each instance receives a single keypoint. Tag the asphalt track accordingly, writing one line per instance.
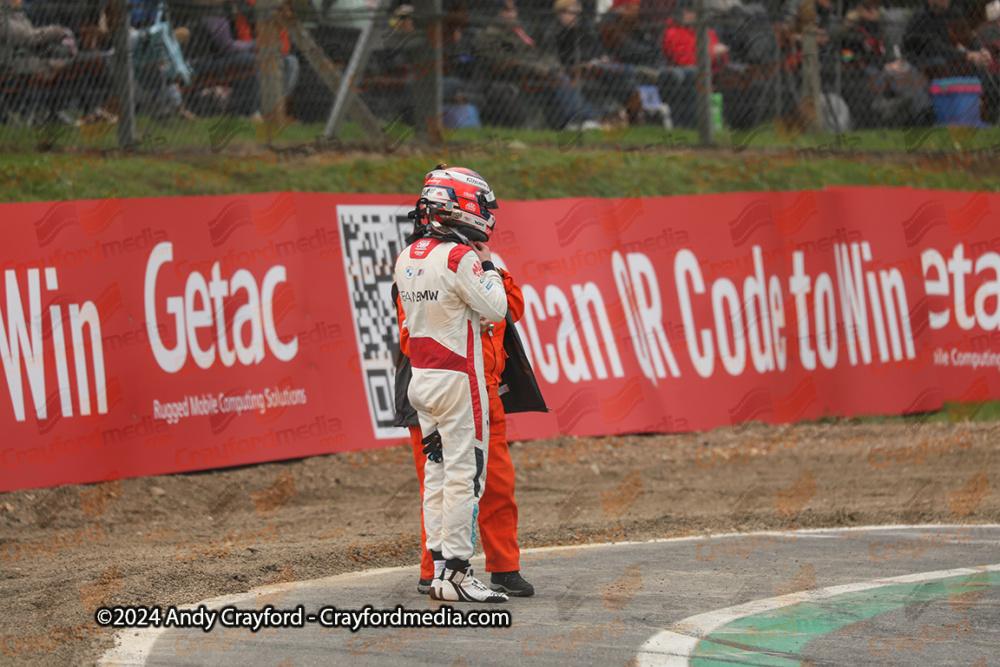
(923, 595)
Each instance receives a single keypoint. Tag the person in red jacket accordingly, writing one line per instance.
(679, 40)
(497, 507)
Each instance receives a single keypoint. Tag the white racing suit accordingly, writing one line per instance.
(443, 290)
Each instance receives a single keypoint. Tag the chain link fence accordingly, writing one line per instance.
(212, 74)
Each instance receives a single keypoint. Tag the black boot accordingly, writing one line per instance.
(511, 583)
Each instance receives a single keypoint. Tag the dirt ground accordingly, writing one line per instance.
(183, 538)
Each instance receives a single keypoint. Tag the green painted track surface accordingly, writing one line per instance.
(776, 638)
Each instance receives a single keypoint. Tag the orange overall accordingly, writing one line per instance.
(497, 508)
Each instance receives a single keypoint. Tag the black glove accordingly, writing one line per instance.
(432, 447)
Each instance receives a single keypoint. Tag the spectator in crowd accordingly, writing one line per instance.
(718, 8)
(389, 83)
(628, 38)
(401, 34)
(154, 95)
(143, 12)
(507, 53)
(31, 57)
(679, 40)
(459, 51)
(638, 43)
(746, 29)
(576, 42)
(752, 78)
(400, 65)
(796, 24)
(879, 90)
(938, 40)
(72, 15)
(219, 60)
(799, 20)
(95, 22)
(988, 31)
(535, 16)
(658, 11)
(43, 67)
(244, 32)
(402, 19)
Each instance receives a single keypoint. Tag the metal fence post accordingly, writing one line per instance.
(272, 82)
(8, 49)
(812, 88)
(331, 76)
(357, 64)
(124, 78)
(706, 132)
(427, 94)
(837, 48)
(779, 81)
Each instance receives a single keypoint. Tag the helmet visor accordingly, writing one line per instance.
(487, 200)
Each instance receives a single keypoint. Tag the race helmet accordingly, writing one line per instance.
(460, 200)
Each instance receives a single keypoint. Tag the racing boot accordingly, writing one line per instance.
(511, 583)
(458, 585)
(424, 585)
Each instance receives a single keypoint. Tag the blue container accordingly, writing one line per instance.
(956, 101)
(461, 115)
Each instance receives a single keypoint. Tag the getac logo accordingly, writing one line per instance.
(204, 305)
(416, 297)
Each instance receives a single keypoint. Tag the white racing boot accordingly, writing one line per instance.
(460, 586)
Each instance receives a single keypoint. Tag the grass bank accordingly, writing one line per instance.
(515, 169)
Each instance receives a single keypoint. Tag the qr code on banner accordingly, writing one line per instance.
(372, 237)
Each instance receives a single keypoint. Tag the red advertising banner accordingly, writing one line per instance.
(153, 336)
